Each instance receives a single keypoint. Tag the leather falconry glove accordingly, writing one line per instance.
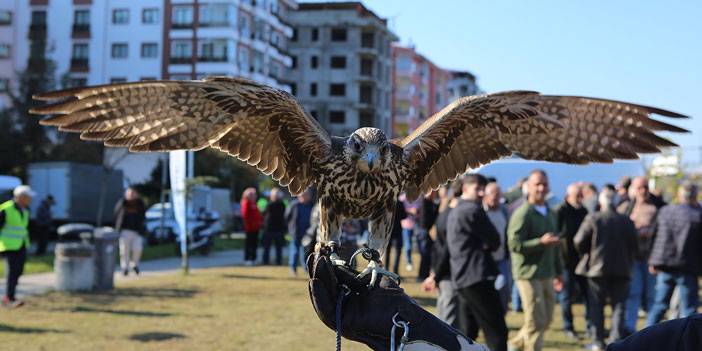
(367, 315)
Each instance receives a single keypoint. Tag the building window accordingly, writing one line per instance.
(257, 62)
(38, 18)
(181, 51)
(366, 94)
(294, 35)
(120, 50)
(5, 18)
(243, 58)
(313, 89)
(214, 15)
(313, 113)
(114, 80)
(338, 34)
(77, 82)
(337, 89)
(149, 50)
(81, 21)
(314, 62)
(147, 78)
(314, 35)
(293, 65)
(366, 67)
(149, 16)
(365, 119)
(367, 40)
(4, 51)
(182, 16)
(120, 16)
(212, 50)
(4, 84)
(80, 51)
(337, 117)
(293, 89)
(338, 62)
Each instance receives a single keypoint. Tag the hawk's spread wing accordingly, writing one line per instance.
(473, 131)
(258, 124)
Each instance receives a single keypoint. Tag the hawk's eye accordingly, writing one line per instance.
(356, 146)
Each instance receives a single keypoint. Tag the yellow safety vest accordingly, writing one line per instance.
(15, 231)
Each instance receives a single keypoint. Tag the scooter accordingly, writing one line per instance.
(201, 237)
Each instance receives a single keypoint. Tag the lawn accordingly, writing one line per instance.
(41, 264)
(229, 308)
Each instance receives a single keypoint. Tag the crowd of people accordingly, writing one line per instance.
(621, 245)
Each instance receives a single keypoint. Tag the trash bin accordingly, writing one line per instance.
(74, 266)
(74, 232)
(106, 243)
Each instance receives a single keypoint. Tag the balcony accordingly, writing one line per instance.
(79, 65)
(37, 31)
(180, 60)
(80, 30)
(212, 59)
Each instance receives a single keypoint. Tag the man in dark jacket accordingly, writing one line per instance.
(396, 237)
(471, 238)
(43, 224)
(569, 216)
(298, 216)
(426, 217)
(130, 213)
(675, 259)
(274, 227)
(607, 242)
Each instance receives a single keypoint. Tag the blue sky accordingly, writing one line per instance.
(647, 52)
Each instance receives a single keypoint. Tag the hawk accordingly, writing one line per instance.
(361, 175)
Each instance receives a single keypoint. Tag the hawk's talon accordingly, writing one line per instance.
(375, 269)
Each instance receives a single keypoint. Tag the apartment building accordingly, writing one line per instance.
(461, 83)
(420, 89)
(342, 65)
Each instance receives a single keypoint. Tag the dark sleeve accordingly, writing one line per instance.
(442, 267)
(486, 230)
(560, 221)
(401, 213)
(583, 237)
(2, 219)
(633, 238)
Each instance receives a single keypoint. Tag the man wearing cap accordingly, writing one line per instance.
(14, 239)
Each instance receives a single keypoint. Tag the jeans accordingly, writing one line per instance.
(407, 244)
(130, 247)
(296, 254)
(250, 246)
(14, 268)
(599, 289)
(516, 300)
(665, 284)
(505, 268)
(273, 237)
(425, 245)
(572, 284)
(642, 287)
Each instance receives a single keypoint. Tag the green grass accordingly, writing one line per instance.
(229, 308)
(43, 264)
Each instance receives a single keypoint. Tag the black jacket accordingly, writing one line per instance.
(683, 334)
(471, 237)
(274, 217)
(130, 215)
(440, 260)
(568, 220)
(607, 243)
(428, 212)
(400, 214)
(678, 243)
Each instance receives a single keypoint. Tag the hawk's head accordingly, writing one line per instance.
(368, 148)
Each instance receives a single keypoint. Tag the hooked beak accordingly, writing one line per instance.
(370, 159)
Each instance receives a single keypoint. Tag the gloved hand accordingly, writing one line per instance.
(367, 314)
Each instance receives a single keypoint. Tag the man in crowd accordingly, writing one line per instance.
(622, 190)
(440, 276)
(675, 258)
(130, 214)
(14, 239)
(497, 213)
(607, 242)
(426, 216)
(569, 216)
(274, 227)
(43, 224)
(471, 238)
(589, 201)
(536, 262)
(298, 218)
(643, 213)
